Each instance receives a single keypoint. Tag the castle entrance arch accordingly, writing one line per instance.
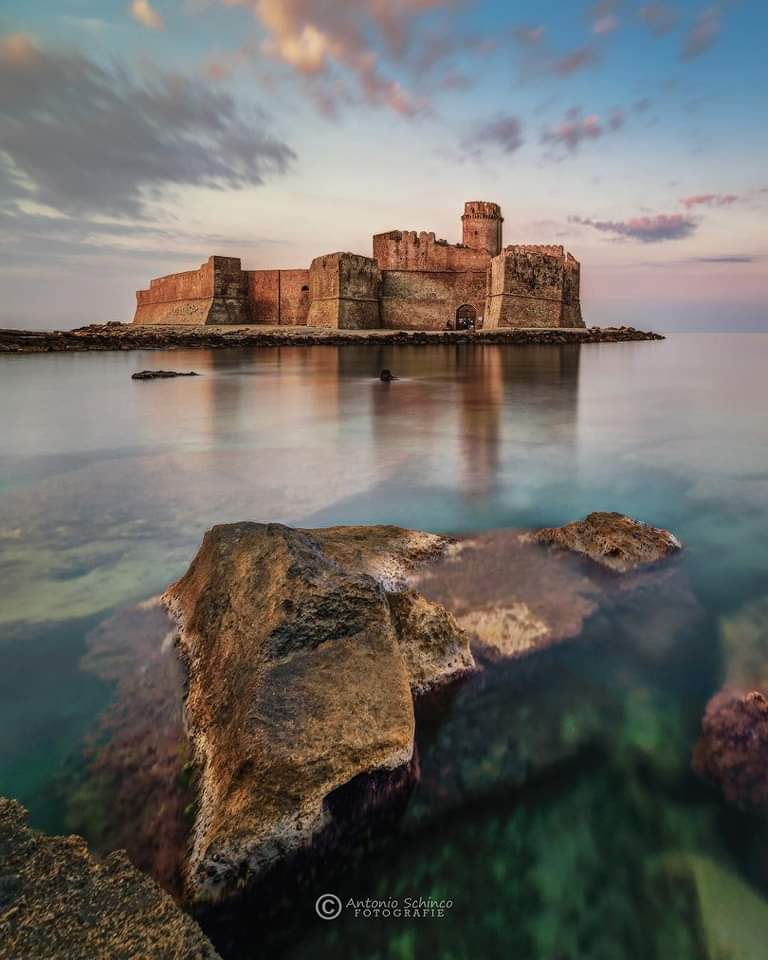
(466, 317)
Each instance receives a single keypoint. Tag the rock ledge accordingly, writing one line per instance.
(56, 901)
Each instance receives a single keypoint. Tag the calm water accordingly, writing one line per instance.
(108, 484)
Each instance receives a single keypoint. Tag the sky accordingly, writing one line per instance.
(138, 137)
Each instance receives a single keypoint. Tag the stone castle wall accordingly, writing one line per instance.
(409, 250)
(425, 280)
(413, 282)
(279, 297)
(427, 300)
(345, 292)
(214, 293)
(533, 286)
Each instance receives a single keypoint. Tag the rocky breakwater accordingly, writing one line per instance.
(308, 654)
(303, 652)
(57, 901)
(117, 336)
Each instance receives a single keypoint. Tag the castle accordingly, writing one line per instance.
(412, 282)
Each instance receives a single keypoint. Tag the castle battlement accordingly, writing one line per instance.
(543, 249)
(413, 281)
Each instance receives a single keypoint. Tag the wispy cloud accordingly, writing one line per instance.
(728, 258)
(709, 200)
(652, 229)
(144, 13)
(604, 18)
(702, 34)
(660, 18)
(84, 138)
(577, 60)
(538, 57)
(575, 128)
(334, 47)
(502, 131)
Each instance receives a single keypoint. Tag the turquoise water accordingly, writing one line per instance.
(108, 484)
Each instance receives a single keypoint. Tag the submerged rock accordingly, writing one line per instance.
(131, 788)
(298, 684)
(613, 540)
(733, 748)
(161, 374)
(57, 901)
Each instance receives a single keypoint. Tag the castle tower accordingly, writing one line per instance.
(481, 226)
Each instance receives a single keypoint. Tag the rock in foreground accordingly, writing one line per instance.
(613, 540)
(56, 901)
(301, 669)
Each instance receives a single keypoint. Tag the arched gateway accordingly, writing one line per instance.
(466, 317)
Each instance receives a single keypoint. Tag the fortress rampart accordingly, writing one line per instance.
(413, 281)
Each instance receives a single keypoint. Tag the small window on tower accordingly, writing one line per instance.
(305, 289)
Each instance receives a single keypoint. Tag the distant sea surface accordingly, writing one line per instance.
(107, 486)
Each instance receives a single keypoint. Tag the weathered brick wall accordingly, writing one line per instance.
(408, 250)
(294, 297)
(427, 300)
(215, 293)
(178, 298)
(263, 286)
(533, 286)
(345, 292)
(279, 296)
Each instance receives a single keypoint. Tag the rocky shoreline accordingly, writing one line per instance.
(117, 336)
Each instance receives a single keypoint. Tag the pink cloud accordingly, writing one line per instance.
(605, 24)
(702, 34)
(604, 19)
(709, 200)
(333, 46)
(144, 13)
(570, 63)
(650, 229)
(538, 57)
(575, 128)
